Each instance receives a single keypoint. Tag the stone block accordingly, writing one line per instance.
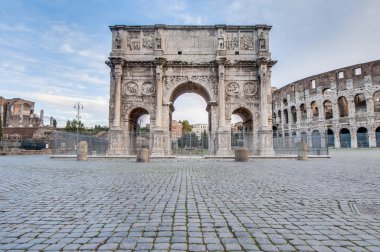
(82, 151)
(142, 155)
(241, 155)
(302, 151)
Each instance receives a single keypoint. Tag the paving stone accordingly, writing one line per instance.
(109, 246)
(178, 246)
(164, 246)
(215, 205)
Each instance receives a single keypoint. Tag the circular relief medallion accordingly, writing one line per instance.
(148, 88)
(233, 88)
(130, 88)
(250, 88)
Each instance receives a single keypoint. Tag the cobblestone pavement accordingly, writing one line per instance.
(194, 205)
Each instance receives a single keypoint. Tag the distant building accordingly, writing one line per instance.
(176, 130)
(237, 127)
(18, 112)
(18, 118)
(199, 128)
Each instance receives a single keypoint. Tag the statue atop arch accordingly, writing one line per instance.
(227, 65)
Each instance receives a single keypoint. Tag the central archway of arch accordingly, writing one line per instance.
(202, 91)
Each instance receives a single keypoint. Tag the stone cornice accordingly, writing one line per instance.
(115, 61)
(265, 61)
(162, 61)
(197, 27)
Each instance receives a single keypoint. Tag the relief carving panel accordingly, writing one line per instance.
(148, 40)
(130, 88)
(147, 88)
(233, 89)
(246, 41)
(250, 88)
(133, 41)
(232, 42)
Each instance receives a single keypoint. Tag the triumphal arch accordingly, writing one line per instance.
(152, 65)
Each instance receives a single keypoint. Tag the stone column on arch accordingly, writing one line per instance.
(115, 133)
(223, 147)
(213, 125)
(265, 131)
(158, 131)
(118, 71)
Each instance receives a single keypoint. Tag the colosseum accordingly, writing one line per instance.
(340, 107)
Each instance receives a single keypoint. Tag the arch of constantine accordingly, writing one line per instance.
(229, 66)
(344, 104)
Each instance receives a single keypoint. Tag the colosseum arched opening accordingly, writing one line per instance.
(343, 106)
(303, 111)
(330, 138)
(316, 141)
(286, 116)
(314, 110)
(377, 137)
(376, 101)
(362, 137)
(345, 138)
(327, 106)
(360, 103)
(293, 112)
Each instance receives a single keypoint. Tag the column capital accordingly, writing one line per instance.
(116, 64)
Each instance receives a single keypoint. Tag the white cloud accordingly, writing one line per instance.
(66, 48)
(190, 19)
(15, 28)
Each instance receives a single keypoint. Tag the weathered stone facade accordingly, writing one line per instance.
(343, 103)
(229, 66)
(18, 112)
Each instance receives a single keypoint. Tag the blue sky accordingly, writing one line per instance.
(53, 51)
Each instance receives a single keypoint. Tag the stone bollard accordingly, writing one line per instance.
(241, 155)
(82, 151)
(142, 155)
(302, 150)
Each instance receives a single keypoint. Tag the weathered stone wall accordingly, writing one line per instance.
(21, 132)
(336, 101)
(229, 66)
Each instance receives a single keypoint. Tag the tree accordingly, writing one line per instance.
(186, 127)
(73, 126)
(188, 140)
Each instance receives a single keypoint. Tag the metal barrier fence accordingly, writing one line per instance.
(65, 143)
(188, 144)
(288, 145)
(9, 145)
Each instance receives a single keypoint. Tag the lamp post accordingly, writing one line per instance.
(78, 107)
